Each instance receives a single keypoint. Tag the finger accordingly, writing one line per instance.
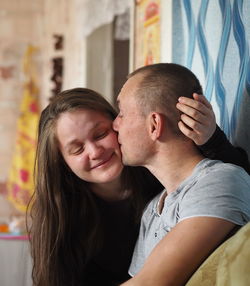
(197, 105)
(198, 138)
(201, 98)
(200, 114)
(187, 131)
(193, 124)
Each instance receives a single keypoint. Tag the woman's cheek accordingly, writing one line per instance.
(114, 139)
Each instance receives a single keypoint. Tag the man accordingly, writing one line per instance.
(204, 200)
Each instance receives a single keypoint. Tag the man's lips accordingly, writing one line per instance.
(102, 162)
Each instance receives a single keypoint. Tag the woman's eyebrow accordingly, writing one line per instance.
(76, 141)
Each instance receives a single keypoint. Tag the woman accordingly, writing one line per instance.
(87, 206)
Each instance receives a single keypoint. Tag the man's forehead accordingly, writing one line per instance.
(124, 98)
(122, 95)
(129, 89)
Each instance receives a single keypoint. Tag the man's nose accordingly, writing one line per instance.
(116, 124)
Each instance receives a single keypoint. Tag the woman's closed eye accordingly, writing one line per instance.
(101, 135)
(77, 150)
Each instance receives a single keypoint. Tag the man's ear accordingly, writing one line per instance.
(155, 125)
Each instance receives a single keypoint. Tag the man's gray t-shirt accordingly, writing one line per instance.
(214, 189)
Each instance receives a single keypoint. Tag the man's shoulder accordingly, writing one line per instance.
(217, 169)
(219, 190)
(215, 177)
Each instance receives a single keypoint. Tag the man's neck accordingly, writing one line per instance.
(171, 166)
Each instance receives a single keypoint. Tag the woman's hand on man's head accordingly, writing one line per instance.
(198, 120)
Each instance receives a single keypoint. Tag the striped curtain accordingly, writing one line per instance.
(212, 38)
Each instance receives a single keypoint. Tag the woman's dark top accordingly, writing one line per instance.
(110, 266)
(218, 147)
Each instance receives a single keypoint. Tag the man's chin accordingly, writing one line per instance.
(125, 161)
(128, 162)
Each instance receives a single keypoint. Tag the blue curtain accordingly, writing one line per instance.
(212, 38)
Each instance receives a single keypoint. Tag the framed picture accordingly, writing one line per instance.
(146, 42)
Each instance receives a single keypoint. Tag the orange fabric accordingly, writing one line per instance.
(20, 183)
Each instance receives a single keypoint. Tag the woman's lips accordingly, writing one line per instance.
(101, 164)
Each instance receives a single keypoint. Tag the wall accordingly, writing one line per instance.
(60, 18)
(100, 61)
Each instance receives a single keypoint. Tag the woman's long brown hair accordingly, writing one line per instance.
(65, 232)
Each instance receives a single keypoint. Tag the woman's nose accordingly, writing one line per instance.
(95, 151)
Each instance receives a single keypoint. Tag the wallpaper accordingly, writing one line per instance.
(212, 39)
